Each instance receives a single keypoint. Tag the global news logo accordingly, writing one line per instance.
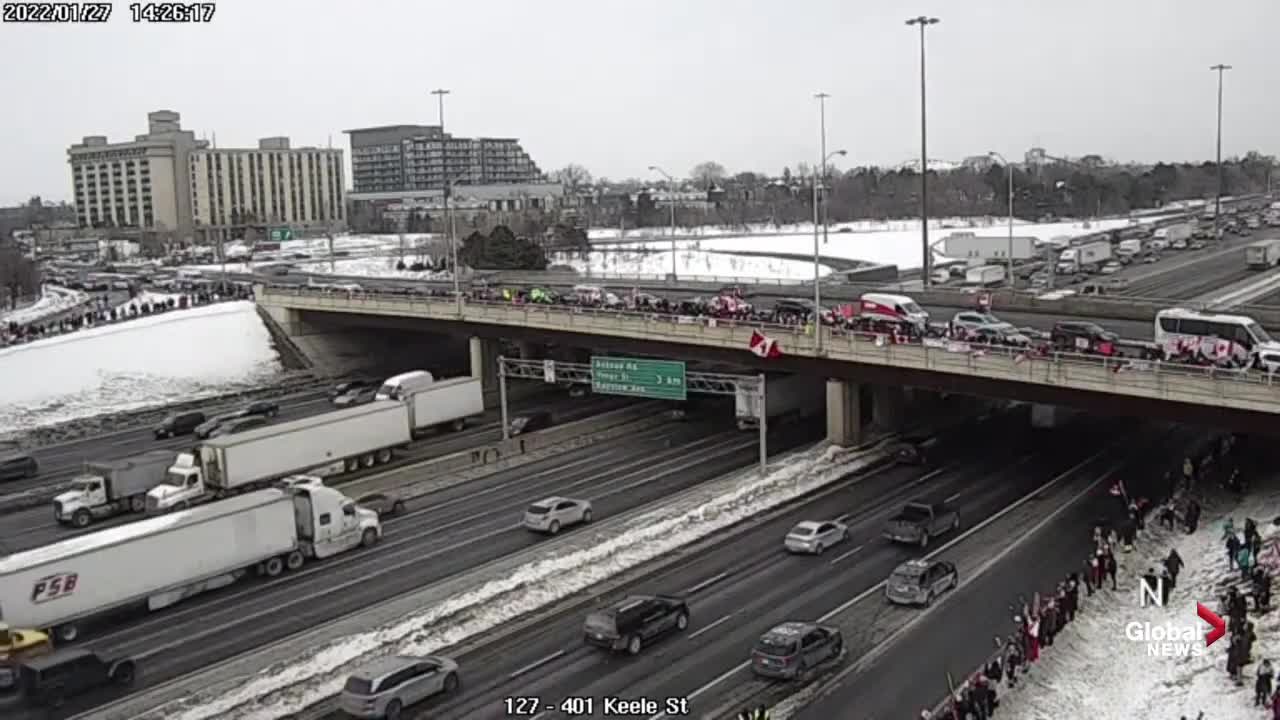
(1169, 639)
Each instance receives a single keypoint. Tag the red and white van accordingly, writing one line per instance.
(891, 308)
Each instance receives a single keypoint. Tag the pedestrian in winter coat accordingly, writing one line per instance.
(1233, 550)
(1167, 515)
(1111, 567)
(1173, 563)
(1073, 592)
(1262, 686)
(1135, 514)
(1233, 659)
(1193, 516)
(1049, 623)
(1275, 706)
(1261, 588)
(1244, 561)
(995, 671)
(1091, 568)
(1033, 639)
(1247, 639)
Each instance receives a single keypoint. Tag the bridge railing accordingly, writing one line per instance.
(942, 353)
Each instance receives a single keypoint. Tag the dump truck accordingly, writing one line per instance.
(160, 561)
(785, 395)
(445, 403)
(330, 443)
(110, 487)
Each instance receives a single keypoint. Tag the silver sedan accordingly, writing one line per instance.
(815, 537)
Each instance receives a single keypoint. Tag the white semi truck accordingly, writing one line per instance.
(1084, 257)
(785, 395)
(338, 441)
(445, 403)
(157, 562)
(111, 487)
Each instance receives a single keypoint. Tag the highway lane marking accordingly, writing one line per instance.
(953, 496)
(719, 679)
(842, 556)
(536, 664)
(884, 645)
(712, 626)
(707, 583)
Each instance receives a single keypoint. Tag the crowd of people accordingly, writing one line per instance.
(1036, 623)
(99, 313)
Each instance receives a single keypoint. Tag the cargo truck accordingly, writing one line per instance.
(985, 276)
(111, 487)
(1262, 254)
(444, 403)
(785, 395)
(1084, 258)
(1128, 250)
(1172, 236)
(338, 441)
(157, 562)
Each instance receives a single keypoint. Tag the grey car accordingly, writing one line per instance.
(918, 582)
(386, 505)
(386, 687)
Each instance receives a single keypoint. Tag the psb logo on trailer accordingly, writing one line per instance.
(53, 587)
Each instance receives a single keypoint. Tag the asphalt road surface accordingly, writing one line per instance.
(35, 526)
(742, 587)
(441, 534)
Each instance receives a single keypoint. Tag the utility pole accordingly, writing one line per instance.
(440, 93)
(1217, 203)
(926, 254)
(822, 124)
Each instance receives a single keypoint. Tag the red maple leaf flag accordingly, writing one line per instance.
(1117, 488)
(764, 346)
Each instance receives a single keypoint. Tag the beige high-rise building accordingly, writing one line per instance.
(271, 185)
(169, 180)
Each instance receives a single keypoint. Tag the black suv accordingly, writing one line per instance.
(265, 408)
(18, 467)
(179, 424)
(635, 621)
(51, 679)
(1076, 336)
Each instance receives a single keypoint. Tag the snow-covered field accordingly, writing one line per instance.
(593, 557)
(1093, 671)
(353, 246)
(690, 263)
(372, 267)
(53, 300)
(177, 356)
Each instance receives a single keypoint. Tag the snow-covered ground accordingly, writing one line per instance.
(154, 360)
(1093, 671)
(379, 267)
(593, 557)
(53, 300)
(690, 263)
(352, 246)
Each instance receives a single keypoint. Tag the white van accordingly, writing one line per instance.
(892, 308)
(398, 387)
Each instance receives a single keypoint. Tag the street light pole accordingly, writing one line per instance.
(926, 254)
(440, 93)
(1217, 203)
(817, 265)
(822, 121)
(671, 200)
(1009, 167)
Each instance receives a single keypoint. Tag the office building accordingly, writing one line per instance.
(272, 185)
(399, 158)
(167, 180)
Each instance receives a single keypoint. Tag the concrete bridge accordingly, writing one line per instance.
(1244, 401)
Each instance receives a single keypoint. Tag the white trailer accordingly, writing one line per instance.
(111, 487)
(985, 276)
(1084, 257)
(157, 562)
(785, 395)
(445, 402)
(965, 245)
(1262, 254)
(342, 441)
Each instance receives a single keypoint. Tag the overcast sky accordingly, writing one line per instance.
(618, 86)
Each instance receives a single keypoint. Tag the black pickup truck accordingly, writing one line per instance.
(631, 623)
(921, 521)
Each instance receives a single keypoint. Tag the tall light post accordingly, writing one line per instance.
(817, 265)
(451, 227)
(1009, 167)
(926, 254)
(440, 93)
(1217, 203)
(671, 200)
(822, 125)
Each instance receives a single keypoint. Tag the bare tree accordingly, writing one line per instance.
(573, 177)
(707, 173)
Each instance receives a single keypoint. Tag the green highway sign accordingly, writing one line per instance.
(652, 379)
(281, 234)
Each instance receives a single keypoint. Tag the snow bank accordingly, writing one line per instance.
(1064, 684)
(590, 559)
(153, 360)
(53, 300)
(379, 267)
(689, 263)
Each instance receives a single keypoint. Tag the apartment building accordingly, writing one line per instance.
(271, 185)
(400, 158)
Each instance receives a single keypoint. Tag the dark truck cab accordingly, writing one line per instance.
(48, 680)
(921, 521)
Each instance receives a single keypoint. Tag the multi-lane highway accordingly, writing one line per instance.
(443, 533)
(35, 526)
(739, 588)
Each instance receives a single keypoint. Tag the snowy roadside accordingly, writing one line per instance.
(53, 300)
(1065, 683)
(591, 558)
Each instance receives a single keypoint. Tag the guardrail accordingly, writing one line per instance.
(1241, 389)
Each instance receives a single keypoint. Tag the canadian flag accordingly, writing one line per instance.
(1117, 489)
(764, 346)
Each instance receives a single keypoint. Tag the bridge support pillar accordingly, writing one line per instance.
(526, 350)
(844, 413)
(484, 365)
(889, 407)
